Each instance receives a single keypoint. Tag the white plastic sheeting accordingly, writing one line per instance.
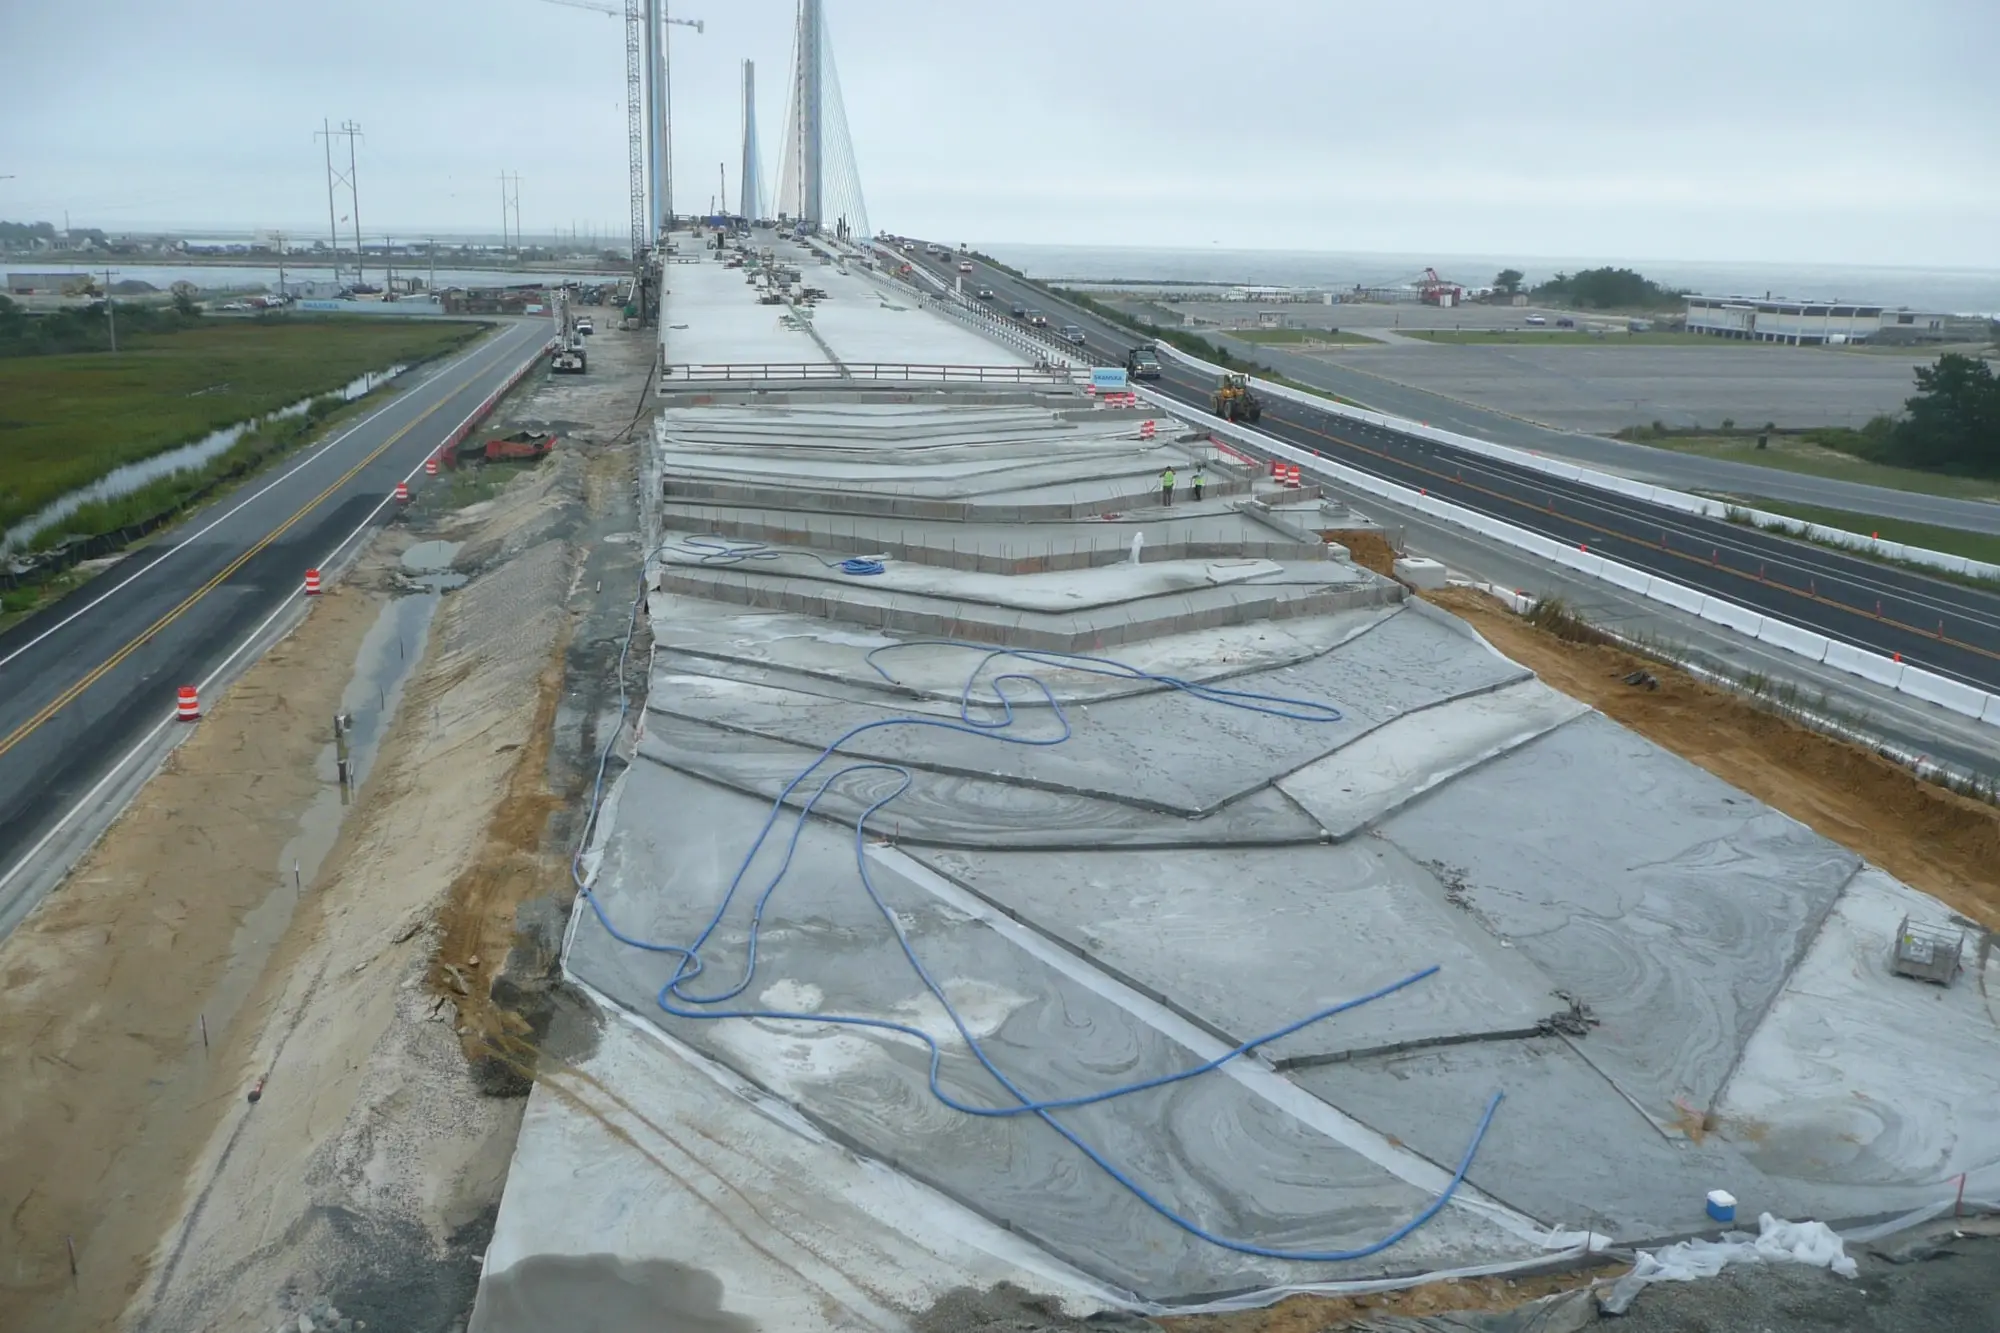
(1776, 1241)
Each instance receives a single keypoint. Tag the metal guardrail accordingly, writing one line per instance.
(865, 370)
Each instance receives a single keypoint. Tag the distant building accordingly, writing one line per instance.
(1801, 323)
(71, 283)
(1911, 326)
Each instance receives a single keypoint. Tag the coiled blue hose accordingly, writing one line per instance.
(673, 997)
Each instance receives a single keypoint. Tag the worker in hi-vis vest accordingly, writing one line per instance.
(1196, 482)
(1167, 487)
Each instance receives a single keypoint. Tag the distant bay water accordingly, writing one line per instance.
(1957, 291)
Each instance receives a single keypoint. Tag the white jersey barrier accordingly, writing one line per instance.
(1637, 490)
(1913, 681)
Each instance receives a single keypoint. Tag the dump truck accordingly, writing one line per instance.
(1233, 401)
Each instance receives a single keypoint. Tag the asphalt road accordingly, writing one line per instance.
(1943, 627)
(1662, 467)
(84, 681)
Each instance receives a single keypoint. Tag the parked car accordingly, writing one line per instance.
(584, 326)
(1535, 320)
(1565, 322)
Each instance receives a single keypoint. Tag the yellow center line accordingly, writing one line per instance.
(97, 673)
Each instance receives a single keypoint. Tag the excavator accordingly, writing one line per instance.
(1233, 401)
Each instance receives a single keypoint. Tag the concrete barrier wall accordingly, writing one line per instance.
(1637, 490)
(1964, 700)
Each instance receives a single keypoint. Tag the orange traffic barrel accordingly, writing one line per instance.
(431, 466)
(1292, 475)
(312, 583)
(402, 490)
(189, 706)
(1147, 430)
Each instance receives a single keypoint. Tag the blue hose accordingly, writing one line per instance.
(721, 551)
(674, 998)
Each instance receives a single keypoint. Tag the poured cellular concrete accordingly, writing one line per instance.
(1674, 987)
(1667, 901)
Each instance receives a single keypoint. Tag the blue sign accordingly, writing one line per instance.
(324, 305)
(1108, 379)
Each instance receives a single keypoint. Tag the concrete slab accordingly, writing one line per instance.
(1572, 1150)
(1237, 1162)
(1243, 941)
(1138, 749)
(955, 810)
(1669, 902)
(1404, 758)
(746, 1217)
(1861, 1077)
(794, 651)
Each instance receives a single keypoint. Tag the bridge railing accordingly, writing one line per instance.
(899, 371)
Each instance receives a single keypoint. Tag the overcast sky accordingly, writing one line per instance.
(1823, 131)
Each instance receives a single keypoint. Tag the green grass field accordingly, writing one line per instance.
(1295, 337)
(1953, 541)
(1565, 336)
(1789, 453)
(67, 420)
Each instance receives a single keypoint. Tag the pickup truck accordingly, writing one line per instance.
(1141, 364)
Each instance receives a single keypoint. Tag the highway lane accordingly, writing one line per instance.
(1941, 626)
(83, 681)
(1661, 467)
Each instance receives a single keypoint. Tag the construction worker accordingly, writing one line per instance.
(1167, 486)
(1197, 481)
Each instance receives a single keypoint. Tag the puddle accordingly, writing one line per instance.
(393, 645)
(428, 565)
(131, 476)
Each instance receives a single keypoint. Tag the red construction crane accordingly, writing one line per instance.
(1433, 290)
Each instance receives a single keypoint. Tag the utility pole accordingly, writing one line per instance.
(431, 283)
(517, 210)
(350, 129)
(335, 178)
(504, 251)
(110, 311)
(721, 187)
(279, 237)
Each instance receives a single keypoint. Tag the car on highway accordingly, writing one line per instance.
(1038, 319)
(1141, 364)
(965, 266)
(1535, 320)
(1565, 322)
(1072, 333)
(985, 293)
(1018, 310)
